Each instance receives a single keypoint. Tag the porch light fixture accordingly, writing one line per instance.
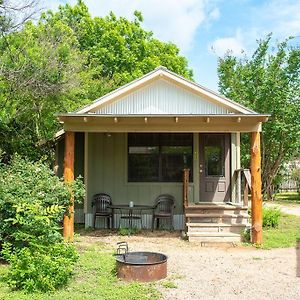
(108, 134)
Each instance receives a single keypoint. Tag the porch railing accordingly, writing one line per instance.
(186, 174)
(243, 178)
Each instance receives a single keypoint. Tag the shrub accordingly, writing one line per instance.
(32, 203)
(271, 217)
(40, 269)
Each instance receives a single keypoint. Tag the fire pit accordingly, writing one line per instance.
(140, 266)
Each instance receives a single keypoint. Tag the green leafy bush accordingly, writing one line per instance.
(271, 217)
(32, 203)
(40, 268)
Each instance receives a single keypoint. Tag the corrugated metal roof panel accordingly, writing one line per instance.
(161, 97)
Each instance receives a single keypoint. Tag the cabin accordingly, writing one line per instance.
(164, 134)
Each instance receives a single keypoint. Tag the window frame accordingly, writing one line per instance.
(160, 159)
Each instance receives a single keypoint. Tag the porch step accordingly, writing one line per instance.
(215, 227)
(217, 218)
(215, 237)
(212, 208)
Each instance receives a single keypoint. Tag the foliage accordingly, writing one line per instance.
(32, 203)
(271, 217)
(246, 235)
(39, 73)
(42, 268)
(267, 82)
(14, 14)
(128, 231)
(296, 176)
(286, 235)
(168, 284)
(287, 198)
(94, 278)
(64, 61)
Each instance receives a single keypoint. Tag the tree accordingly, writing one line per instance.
(39, 72)
(268, 82)
(66, 60)
(118, 49)
(14, 14)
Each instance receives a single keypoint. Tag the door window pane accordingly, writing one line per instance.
(214, 156)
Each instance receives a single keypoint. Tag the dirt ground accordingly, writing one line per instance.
(225, 272)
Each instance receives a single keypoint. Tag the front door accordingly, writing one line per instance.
(214, 167)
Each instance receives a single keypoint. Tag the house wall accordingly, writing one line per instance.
(105, 158)
(107, 172)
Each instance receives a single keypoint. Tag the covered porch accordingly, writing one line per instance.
(134, 156)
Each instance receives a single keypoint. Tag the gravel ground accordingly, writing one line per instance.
(292, 209)
(218, 272)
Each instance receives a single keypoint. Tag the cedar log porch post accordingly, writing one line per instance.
(256, 201)
(69, 177)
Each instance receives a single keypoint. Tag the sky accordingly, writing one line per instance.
(206, 29)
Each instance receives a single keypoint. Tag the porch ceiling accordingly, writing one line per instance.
(162, 123)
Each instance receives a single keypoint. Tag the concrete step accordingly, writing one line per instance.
(216, 227)
(213, 237)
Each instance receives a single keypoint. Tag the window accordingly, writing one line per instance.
(159, 157)
(214, 156)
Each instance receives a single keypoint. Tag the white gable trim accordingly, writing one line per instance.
(169, 76)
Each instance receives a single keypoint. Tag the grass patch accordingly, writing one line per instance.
(168, 284)
(285, 235)
(94, 279)
(287, 198)
(128, 231)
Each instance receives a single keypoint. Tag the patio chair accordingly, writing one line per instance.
(101, 202)
(163, 209)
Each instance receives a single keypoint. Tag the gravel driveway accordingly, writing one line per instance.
(292, 209)
(219, 273)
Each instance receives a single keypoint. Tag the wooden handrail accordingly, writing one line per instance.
(186, 174)
(246, 174)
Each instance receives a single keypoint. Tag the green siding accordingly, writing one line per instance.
(107, 173)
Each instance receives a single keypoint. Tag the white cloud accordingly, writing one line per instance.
(282, 17)
(214, 14)
(170, 20)
(234, 44)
